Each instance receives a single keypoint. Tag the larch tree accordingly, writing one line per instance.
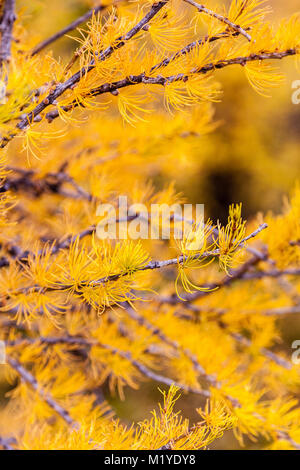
(131, 101)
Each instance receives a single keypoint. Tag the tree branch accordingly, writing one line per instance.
(223, 19)
(149, 266)
(31, 380)
(157, 332)
(152, 375)
(6, 28)
(164, 81)
(62, 87)
(82, 19)
(51, 182)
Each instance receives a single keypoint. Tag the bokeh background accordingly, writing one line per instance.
(252, 156)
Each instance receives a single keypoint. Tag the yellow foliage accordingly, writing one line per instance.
(124, 106)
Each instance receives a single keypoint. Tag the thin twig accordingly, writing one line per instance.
(223, 19)
(152, 375)
(187, 49)
(82, 19)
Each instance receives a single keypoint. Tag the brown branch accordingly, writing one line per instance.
(210, 288)
(174, 300)
(281, 311)
(130, 81)
(73, 340)
(179, 260)
(52, 183)
(286, 437)
(164, 81)
(77, 340)
(272, 273)
(237, 336)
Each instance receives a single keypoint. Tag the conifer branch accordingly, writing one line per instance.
(286, 437)
(179, 260)
(76, 340)
(187, 303)
(280, 361)
(133, 79)
(282, 311)
(69, 83)
(157, 332)
(54, 285)
(237, 336)
(272, 273)
(223, 19)
(211, 287)
(31, 380)
(152, 375)
(166, 80)
(187, 49)
(152, 265)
